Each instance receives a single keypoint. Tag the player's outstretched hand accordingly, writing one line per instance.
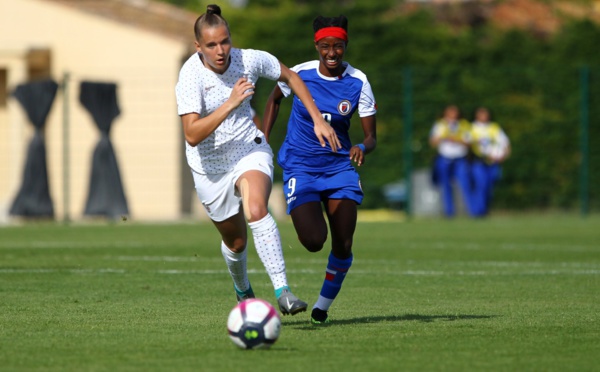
(357, 155)
(241, 90)
(324, 131)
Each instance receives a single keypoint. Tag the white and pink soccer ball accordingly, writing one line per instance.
(253, 324)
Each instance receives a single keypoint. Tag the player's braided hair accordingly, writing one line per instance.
(322, 22)
(211, 18)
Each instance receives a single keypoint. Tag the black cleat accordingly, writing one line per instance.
(319, 317)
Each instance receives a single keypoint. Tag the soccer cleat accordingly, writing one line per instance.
(319, 317)
(290, 304)
(243, 295)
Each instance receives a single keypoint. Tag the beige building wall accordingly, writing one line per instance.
(13, 134)
(146, 136)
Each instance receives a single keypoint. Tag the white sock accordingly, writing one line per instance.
(323, 303)
(236, 263)
(268, 246)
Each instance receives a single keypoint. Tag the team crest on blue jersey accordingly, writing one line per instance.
(344, 107)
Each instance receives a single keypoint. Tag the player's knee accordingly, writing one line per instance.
(237, 246)
(235, 243)
(342, 248)
(314, 242)
(255, 212)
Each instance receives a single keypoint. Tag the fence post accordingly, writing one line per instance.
(584, 173)
(65, 149)
(408, 129)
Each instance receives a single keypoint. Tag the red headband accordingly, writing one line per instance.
(338, 32)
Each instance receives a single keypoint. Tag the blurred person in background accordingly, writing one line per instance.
(450, 136)
(490, 147)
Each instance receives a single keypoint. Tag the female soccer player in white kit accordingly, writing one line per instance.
(231, 162)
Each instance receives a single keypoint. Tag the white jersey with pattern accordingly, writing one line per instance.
(200, 90)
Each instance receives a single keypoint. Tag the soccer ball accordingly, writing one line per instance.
(253, 324)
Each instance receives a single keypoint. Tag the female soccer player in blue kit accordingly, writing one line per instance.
(315, 175)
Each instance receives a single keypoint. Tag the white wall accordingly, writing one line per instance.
(145, 135)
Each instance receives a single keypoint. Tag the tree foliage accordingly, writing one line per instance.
(531, 84)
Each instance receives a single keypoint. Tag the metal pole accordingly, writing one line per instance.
(66, 191)
(408, 128)
(584, 175)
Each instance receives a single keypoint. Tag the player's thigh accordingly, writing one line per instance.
(261, 161)
(342, 215)
(309, 223)
(253, 182)
(255, 188)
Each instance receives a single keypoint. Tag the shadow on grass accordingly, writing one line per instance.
(304, 324)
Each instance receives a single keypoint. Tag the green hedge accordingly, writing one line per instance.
(531, 84)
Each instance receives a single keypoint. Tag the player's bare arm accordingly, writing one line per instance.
(370, 142)
(196, 129)
(271, 111)
(323, 130)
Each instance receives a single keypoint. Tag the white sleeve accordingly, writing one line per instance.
(366, 103)
(436, 130)
(267, 65)
(285, 89)
(188, 92)
(503, 139)
(502, 144)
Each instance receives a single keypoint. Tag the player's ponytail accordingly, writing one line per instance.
(213, 9)
(211, 18)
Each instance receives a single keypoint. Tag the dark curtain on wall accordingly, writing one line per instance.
(33, 198)
(106, 196)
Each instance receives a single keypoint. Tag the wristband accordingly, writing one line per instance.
(361, 147)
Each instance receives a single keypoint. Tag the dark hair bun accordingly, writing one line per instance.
(322, 22)
(213, 9)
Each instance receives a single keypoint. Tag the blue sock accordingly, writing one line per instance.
(334, 277)
(279, 290)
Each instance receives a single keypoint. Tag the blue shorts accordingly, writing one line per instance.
(301, 187)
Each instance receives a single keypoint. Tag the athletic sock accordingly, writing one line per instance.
(334, 277)
(279, 291)
(236, 263)
(268, 246)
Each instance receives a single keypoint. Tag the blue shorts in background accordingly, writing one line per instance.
(301, 187)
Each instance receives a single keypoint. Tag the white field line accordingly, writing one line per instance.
(163, 258)
(362, 262)
(442, 245)
(73, 245)
(476, 246)
(565, 271)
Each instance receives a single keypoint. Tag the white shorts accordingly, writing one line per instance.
(217, 192)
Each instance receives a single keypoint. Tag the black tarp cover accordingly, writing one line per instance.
(33, 198)
(106, 196)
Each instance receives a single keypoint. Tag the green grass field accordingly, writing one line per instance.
(505, 294)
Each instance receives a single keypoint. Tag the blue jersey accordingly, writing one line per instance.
(338, 98)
